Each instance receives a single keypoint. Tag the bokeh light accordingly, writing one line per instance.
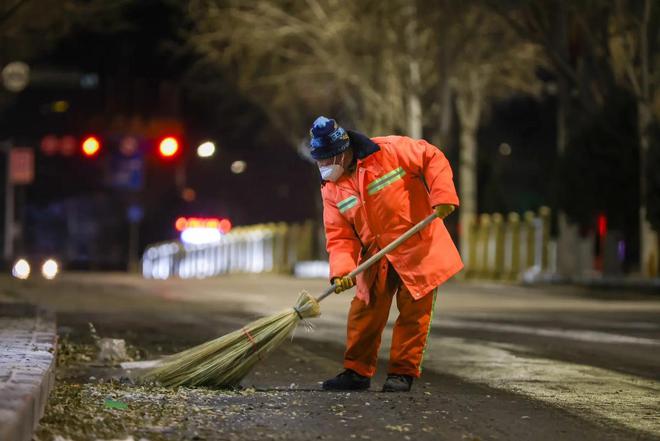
(49, 269)
(21, 269)
(206, 149)
(238, 167)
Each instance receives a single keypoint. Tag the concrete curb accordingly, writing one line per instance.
(28, 347)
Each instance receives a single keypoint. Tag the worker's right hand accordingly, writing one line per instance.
(443, 210)
(342, 283)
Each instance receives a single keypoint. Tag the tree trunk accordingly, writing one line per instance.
(468, 104)
(468, 187)
(568, 236)
(568, 264)
(414, 105)
(445, 113)
(648, 238)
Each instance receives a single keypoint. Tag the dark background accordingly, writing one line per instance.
(146, 79)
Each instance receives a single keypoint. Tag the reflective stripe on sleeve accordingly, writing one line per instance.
(347, 204)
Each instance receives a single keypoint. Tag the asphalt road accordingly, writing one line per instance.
(505, 362)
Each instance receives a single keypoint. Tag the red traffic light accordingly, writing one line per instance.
(91, 146)
(168, 147)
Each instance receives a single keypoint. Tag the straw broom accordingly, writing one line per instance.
(225, 361)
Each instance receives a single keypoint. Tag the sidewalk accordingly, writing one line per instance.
(27, 368)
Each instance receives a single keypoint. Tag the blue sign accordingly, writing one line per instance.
(127, 173)
(126, 164)
(135, 213)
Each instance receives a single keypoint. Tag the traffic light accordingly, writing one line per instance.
(168, 147)
(91, 146)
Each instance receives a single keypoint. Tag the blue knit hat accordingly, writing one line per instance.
(328, 138)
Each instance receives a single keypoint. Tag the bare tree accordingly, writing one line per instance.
(324, 55)
(31, 27)
(588, 44)
(487, 60)
(634, 48)
(372, 61)
(28, 27)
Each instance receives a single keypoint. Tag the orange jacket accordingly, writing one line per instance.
(396, 183)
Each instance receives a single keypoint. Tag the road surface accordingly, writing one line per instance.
(505, 362)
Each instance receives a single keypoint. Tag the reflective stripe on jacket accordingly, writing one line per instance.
(391, 189)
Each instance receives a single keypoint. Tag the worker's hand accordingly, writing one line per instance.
(342, 283)
(443, 210)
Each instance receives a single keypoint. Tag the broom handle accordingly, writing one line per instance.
(376, 257)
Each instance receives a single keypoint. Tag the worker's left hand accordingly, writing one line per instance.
(443, 210)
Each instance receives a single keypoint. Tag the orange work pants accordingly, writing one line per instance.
(409, 336)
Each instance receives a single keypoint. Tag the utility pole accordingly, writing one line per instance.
(8, 251)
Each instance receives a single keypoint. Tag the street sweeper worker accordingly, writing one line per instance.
(374, 190)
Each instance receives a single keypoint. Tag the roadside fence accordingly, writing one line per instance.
(510, 247)
(274, 247)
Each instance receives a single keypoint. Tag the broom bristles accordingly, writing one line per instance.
(225, 361)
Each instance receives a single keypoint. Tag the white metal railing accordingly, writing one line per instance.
(511, 248)
(251, 249)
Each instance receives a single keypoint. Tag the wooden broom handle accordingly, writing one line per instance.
(376, 257)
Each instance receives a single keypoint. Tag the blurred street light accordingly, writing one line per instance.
(168, 147)
(21, 269)
(60, 106)
(16, 76)
(49, 269)
(238, 167)
(68, 145)
(128, 146)
(188, 194)
(49, 145)
(180, 223)
(91, 146)
(89, 81)
(206, 149)
(198, 231)
(225, 226)
(505, 149)
(200, 235)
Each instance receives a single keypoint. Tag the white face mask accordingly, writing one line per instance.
(331, 172)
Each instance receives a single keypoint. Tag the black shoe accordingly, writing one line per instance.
(398, 383)
(347, 380)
